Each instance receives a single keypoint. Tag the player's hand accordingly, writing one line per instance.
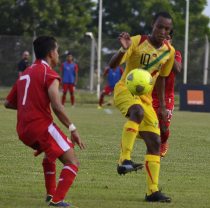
(163, 127)
(125, 40)
(75, 138)
(163, 115)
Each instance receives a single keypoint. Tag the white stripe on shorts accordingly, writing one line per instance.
(58, 138)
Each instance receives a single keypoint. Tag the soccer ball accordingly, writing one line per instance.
(139, 82)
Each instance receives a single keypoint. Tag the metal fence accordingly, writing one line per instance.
(11, 48)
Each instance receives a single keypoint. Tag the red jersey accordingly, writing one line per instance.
(30, 95)
(169, 83)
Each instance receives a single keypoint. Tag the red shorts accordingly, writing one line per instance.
(108, 90)
(54, 143)
(69, 87)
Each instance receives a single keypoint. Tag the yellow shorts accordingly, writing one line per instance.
(123, 100)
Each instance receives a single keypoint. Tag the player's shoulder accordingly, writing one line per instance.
(139, 39)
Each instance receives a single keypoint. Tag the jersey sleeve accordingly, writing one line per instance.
(76, 68)
(135, 41)
(12, 96)
(178, 56)
(167, 67)
(51, 75)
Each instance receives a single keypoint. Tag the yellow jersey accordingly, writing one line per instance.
(142, 54)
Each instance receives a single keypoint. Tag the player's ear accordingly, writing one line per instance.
(51, 53)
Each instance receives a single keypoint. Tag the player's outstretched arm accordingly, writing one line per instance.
(59, 111)
(125, 42)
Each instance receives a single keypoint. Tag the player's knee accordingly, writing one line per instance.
(153, 142)
(73, 161)
(136, 113)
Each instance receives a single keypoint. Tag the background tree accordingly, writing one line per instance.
(135, 17)
(57, 17)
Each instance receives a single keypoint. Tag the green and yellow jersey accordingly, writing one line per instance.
(142, 54)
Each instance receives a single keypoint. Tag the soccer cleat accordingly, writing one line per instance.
(60, 204)
(157, 197)
(48, 198)
(163, 149)
(128, 166)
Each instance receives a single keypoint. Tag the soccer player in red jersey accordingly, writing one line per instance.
(112, 76)
(35, 90)
(69, 71)
(169, 100)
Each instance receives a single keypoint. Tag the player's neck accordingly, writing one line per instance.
(154, 42)
(49, 61)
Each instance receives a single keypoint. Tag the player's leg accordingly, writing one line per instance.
(48, 164)
(72, 97)
(101, 99)
(67, 176)
(65, 88)
(129, 133)
(165, 133)
(57, 145)
(105, 91)
(49, 168)
(150, 132)
(130, 107)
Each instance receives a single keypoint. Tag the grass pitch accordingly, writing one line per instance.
(184, 172)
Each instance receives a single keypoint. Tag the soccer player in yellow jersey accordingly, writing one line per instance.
(154, 54)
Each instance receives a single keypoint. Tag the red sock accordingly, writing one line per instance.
(72, 99)
(50, 176)
(66, 179)
(101, 100)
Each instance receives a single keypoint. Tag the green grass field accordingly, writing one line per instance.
(184, 172)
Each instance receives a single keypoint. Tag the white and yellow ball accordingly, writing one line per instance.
(139, 82)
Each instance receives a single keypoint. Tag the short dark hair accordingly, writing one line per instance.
(162, 14)
(43, 45)
(69, 54)
(171, 33)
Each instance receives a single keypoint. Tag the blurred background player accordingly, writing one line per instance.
(169, 100)
(24, 62)
(112, 76)
(154, 54)
(33, 95)
(69, 71)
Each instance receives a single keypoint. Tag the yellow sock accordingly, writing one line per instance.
(130, 131)
(152, 166)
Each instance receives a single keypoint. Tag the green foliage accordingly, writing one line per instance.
(136, 16)
(73, 18)
(58, 17)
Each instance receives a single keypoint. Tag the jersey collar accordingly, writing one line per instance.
(44, 62)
